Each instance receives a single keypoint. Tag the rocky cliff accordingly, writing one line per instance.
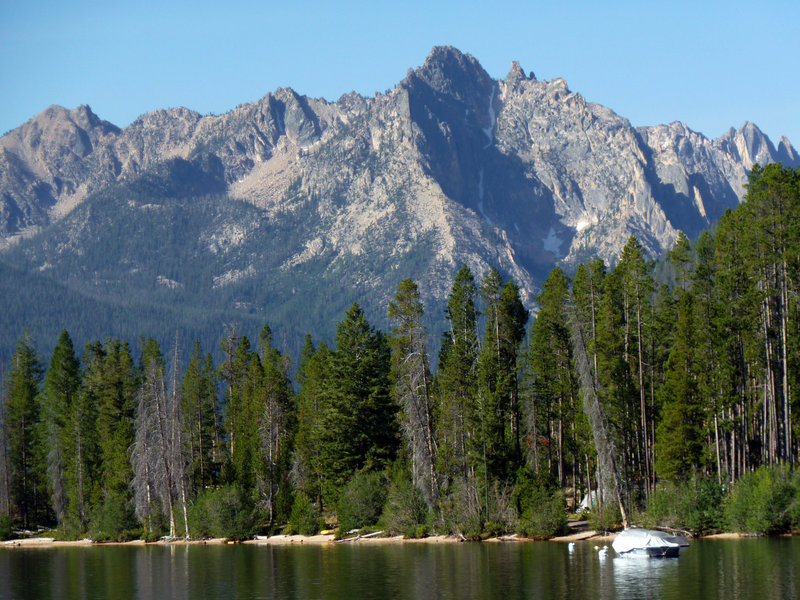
(449, 167)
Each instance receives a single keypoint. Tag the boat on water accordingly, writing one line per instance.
(648, 543)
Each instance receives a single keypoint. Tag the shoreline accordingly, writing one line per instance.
(328, 539)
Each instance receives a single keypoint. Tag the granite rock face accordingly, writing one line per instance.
(450, 167)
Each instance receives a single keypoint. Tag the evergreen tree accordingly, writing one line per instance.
(312, 375)
(456, 383)
(360, 430)
(497, 377)
(679, 439)
(27, 480)
(637, 290)
(112, 381)
(5, 486)
(553, 406)
(58, 402)
(200, 409)
(276, 419)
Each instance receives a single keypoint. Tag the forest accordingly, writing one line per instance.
(665, 390)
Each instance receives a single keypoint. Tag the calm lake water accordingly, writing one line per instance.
(726, 569)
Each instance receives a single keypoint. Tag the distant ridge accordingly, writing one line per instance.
(247, 210)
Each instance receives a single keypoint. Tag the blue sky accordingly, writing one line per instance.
(710, 64)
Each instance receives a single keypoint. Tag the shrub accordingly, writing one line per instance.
(303, 518)
(542, 508)
(405, 510)
(794, 507)
(461, 511)
(361, 501)
(606, 517)
(695, 505)
(223, 513)
(6, 527)
(760, 501)
(113, 520)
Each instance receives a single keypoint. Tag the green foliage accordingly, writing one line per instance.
(359, 425)
(27, 455)
(542, 508)
(224, 512)
(113, 520)
(678, 440)
(794, 507)
(695, 505)
(361, 502)
(461, 510)
(6, 527)
(760, 501)
(405, 511)
(605, 517)
(304, 519)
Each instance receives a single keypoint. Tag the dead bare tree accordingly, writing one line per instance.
(158, 454)
(412, 383)
(608, 479)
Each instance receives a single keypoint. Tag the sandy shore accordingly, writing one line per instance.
(44, 542)
(329, 539)
(322, 539)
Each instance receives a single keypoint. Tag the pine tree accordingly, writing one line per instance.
(27, 483)
(456, 384)
(679, 438)
(554, 389)
(497, 377)
(5, 486)
(58, 402)
(360, 430)
(112, 381)
(276, 418)
(200, 409)
(312, 375)
(637, 290)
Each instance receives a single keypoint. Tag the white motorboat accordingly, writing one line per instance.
(648, 543)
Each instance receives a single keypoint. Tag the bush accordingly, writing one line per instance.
(303, 519)
(794, 507)
(542, 508)
(113, 521)
(6, 528)
(361, 501)
(405, 511)
(695, 505)
(760, 501)
(222, 513)
(461, 511)
(606, 517)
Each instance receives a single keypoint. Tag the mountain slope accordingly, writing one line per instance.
(290, 208)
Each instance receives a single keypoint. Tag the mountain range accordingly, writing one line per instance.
(288, 209)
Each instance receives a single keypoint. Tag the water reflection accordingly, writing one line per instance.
(643, 577)
(708, 569)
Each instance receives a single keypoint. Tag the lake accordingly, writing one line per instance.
(726, 569)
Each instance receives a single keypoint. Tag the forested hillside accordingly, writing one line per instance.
(288, 209)
(677, 403)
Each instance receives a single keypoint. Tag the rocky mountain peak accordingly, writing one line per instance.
(787, 154)
(516, 74)
(449, 72)
(554, 177)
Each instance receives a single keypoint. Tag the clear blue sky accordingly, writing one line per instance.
(711, 64)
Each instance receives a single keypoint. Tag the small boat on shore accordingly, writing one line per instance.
(648, 543)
